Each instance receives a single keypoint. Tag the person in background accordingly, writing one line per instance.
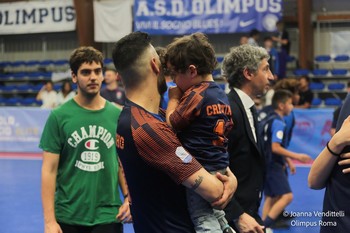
(305, 93)
(278, 194)
(80, 169)
(254, 36)
(246, 69)
(274, 60)
(112, 92)
(66, 93)
(47, 95)
(168, 79)
(200, 113)
(154, 161)
(283, 46)
(243, 40)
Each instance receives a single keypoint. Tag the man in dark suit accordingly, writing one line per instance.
(247, 71)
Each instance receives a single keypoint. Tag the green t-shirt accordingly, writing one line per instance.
(87, 179)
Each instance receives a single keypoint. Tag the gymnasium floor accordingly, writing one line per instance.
(20, 201)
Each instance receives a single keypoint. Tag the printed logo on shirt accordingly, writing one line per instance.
(91, 136)
(279, 134)
(183, 154)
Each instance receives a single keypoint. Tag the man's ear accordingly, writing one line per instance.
(155, 66)
(247, 74)
(74, 77)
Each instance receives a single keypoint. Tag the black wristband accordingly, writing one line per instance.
(126, 195)
(332, 152)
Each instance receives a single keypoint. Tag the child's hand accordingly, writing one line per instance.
(175, 93)
(304, 158)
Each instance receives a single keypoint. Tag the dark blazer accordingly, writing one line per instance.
(247, 162)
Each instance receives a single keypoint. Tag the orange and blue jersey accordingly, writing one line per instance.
(202, 120)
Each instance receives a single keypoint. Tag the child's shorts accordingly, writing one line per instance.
(276, 183)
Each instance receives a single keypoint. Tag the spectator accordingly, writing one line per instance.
(247, 71)
(66, 93)
(200, 130)
(112, 92)
(148, 146)
(283, 47)
(80, 168)
(277, 190)
(243, 40)
(305, 93)
(254, 36)
(273, 61)
(47, 95)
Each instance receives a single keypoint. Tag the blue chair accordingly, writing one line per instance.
(107, 61)
(220, 59)
(316, 86)
(30, 101)
(13, 101)
(19, 75)
(301, 72)
(323, 58)
(320, 72)
(291, 58)
(341, 58)
(57, 86)
(217, 73)
(336, 86)
(25, 87)
(333, 102)
(339, 71)
(316, 102)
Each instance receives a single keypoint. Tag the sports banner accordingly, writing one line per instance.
(37, 17)
(311, 131)
(178, 17)
(21, 128)
(113, 19)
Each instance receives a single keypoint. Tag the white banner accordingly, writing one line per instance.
(113, 19)
(340, 42)
(37, 17)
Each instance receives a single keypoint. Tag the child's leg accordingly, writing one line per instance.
(202, 214)
(277, 208)
(220, 215)
(267, 206)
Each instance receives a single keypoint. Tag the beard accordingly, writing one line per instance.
(162, 87)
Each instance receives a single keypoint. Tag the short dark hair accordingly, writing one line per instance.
(193, 49)
(84, 54)
(161, 51)
(126, 53)
(280, 96)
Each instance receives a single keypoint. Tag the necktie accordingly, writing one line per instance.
(255, 120)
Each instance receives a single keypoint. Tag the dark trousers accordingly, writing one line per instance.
(103, 228)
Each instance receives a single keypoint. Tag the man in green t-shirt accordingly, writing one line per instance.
(81, 170)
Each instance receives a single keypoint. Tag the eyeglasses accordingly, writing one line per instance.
(87, 72)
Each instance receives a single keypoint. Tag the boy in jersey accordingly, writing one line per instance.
(80, 170)
(278, 193)
(200, 113)
(154, 161)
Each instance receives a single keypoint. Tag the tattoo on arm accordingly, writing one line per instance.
(197, 182)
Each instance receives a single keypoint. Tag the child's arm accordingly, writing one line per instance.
(175, 95)
(291, 166)
(278, 149)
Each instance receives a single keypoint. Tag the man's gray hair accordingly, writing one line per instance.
(240, 58)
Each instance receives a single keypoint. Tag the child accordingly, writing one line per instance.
(278, 193)
(199, 111)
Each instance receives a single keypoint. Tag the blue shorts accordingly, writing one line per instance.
(276, 183)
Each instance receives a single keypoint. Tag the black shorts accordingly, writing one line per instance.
(276, 181)
(102, 228)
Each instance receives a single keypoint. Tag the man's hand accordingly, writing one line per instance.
(52, 227)
(230, 185)
(247, 224)
(345, 162)
(124, 215)
(175, 93)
